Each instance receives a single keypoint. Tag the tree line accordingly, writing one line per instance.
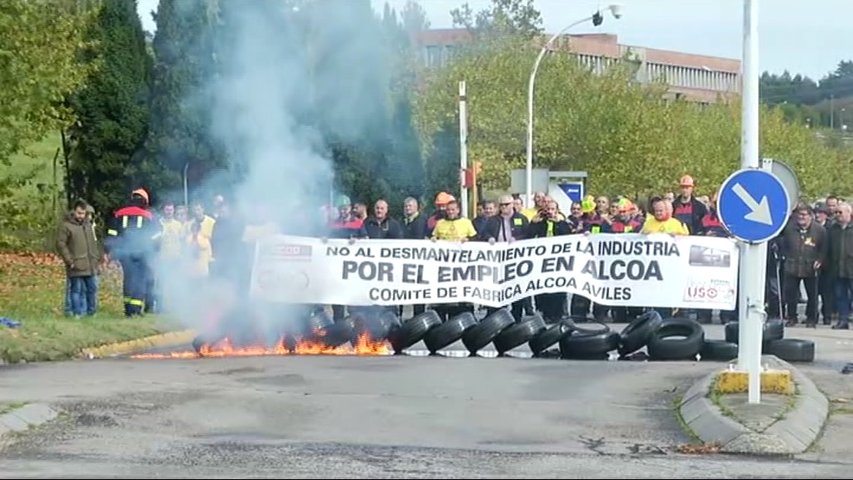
(131, 107)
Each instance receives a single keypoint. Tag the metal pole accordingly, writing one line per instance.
(753, 263)
(530, 88)
(186, 183)
(463, 146)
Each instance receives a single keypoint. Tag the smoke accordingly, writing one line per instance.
(288, 79)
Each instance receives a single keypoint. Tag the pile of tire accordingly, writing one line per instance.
(773, 342)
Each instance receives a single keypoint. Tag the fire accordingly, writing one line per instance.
(223, 348)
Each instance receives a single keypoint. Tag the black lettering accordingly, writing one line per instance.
(525, 267)
(410, 273)
(349, 267)
(653, 271)
(363, 252)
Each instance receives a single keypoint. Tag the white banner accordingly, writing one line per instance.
(611, 269)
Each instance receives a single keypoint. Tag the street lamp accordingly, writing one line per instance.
(597, 18)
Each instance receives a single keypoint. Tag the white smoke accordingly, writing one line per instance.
(262, 106)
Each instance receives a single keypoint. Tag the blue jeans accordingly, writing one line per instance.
(84, 295)
(843, 294)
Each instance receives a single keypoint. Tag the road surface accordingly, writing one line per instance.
(386, 417)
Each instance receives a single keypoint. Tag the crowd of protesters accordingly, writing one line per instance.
(815, 250)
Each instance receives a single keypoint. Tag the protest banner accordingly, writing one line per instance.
(615, 270)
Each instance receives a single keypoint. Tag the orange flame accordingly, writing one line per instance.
(223, 348)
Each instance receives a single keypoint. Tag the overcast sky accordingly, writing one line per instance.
(802, 36)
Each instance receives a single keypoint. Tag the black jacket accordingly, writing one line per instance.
(415, 228)
(495, 225)
(840, 258)
(802, 248)
(387, 228)
(690, 214)
(540, 229)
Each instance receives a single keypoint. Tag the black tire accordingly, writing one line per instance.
(791, 349)
(449, 332)
(336, 334)
(518, 334)
(662, 347)
(584, 345)
(637, 333)
(774, 329)
(377, 326)
(732, 332)
(548, 337)
(586, 328)
(320, 320)
(414, 330)
(718, 350)
(202, 340)
(489, 328)
(539, 322)
(571, 320)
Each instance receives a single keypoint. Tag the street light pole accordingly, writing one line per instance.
(596, 18)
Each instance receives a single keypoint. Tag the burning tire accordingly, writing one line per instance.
(718, 350)
(491, 326)
(518, 334)
(449, 332)
(589, 343)
(377, 325)
(774, 329)
(548, 337)
(637, 333)
(664, 346)
(791, 349)
(338, 333)
(414, 330)
(318, 321)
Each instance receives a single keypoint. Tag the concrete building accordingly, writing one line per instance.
(698, 78)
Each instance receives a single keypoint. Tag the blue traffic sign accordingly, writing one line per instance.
(753, 205)
(573, 190)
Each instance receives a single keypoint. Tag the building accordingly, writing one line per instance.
(698, 78)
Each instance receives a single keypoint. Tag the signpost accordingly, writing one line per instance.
(753, 205)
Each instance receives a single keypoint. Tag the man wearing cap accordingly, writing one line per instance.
(688, 208)
(133, 239)
(346, 226)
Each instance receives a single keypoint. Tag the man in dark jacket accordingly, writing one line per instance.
(840, 262)
(507, 226)
(551, 305)
(414, 221)
(688, 208)
(79, 251)
(380, 225)
(804, 248)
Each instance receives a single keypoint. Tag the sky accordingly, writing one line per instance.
(808, 37)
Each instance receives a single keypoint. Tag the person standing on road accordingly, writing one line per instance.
(713, 227)
(414, 228)
(662, 221)
(507, 226)
(457, 229)
(78, 248)
(551, 305)
(442, 199)
(622, 222)
(804, 248)
(133, 238)
(840, 263)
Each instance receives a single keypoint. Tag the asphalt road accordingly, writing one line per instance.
(388, 417)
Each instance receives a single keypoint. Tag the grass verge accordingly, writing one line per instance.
(10, 406)
(32, 291)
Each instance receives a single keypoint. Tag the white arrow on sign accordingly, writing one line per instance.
(760, 211)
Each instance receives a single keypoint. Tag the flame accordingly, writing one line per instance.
(223, 348)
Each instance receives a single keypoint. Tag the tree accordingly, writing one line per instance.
(184, 63)
(503, 17)
(414, 17)
(40, 43)
(620, 131)
(112, 109)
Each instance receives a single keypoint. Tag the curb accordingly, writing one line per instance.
(24, 418)
(133, 346)
(792, 434)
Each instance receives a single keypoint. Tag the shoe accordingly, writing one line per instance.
(811, 324)
(791, 323)
(841, 326)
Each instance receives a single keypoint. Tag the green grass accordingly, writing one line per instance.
(38, 158)
(32, 289)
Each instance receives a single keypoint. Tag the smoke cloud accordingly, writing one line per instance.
(290, 78)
